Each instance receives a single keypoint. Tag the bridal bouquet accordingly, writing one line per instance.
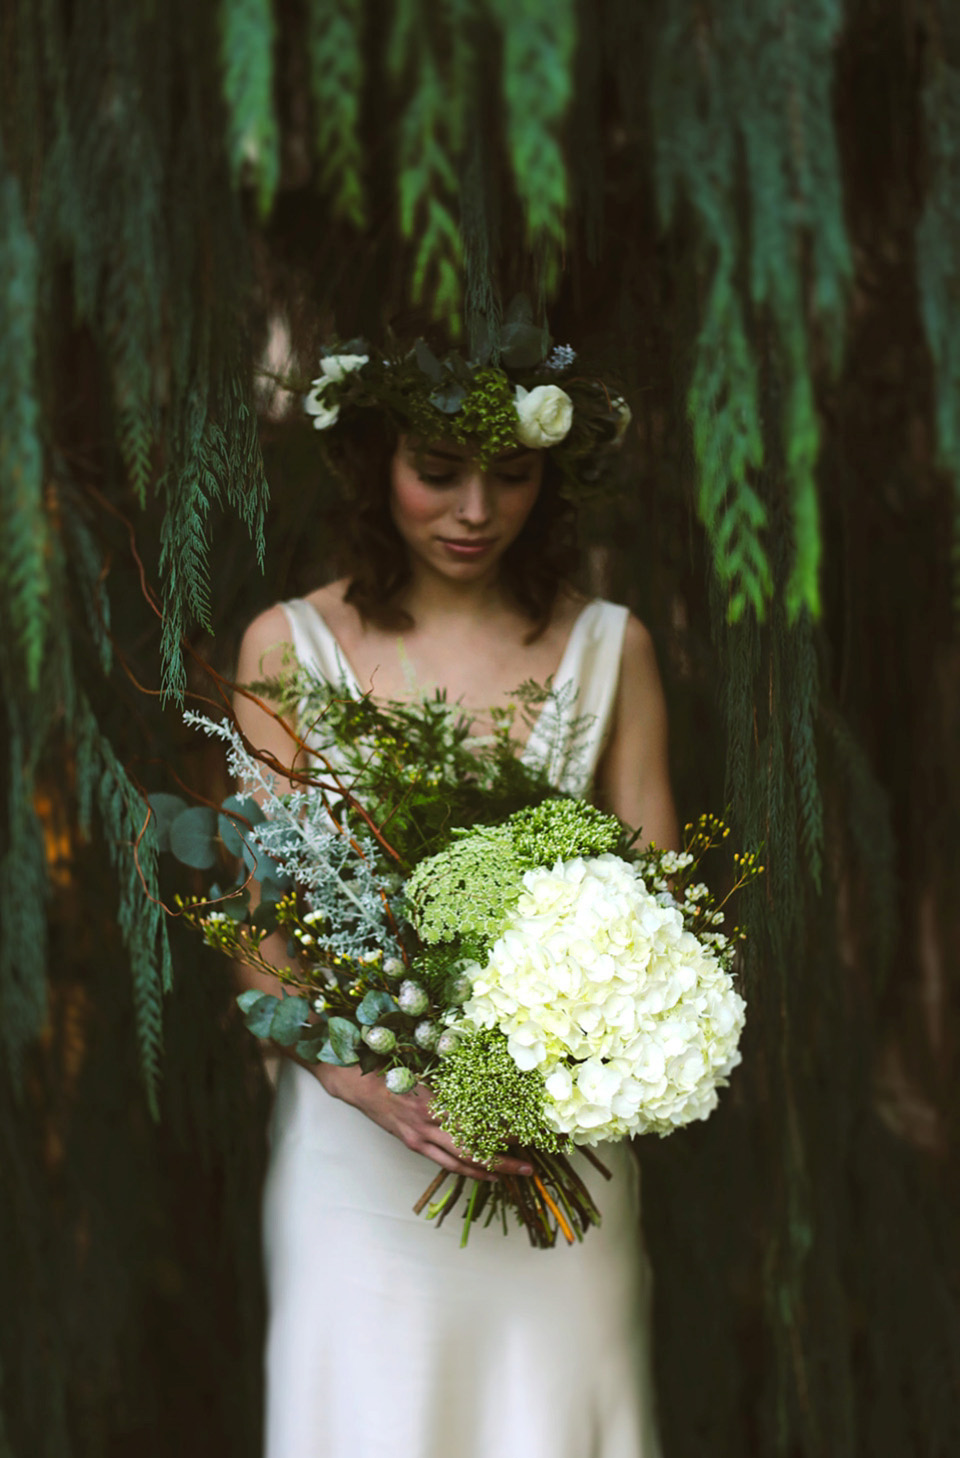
(452, 920)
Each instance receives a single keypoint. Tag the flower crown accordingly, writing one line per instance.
(530, 395)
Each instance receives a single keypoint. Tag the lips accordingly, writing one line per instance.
(467, 546)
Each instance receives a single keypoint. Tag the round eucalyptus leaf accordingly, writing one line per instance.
(265, 917)
(448, 398)
(259, 1015)
(289, 1021)
(521, 346)
(427, 361)
(193, 837)
(236, 907)
(375, 1005)
(273, 889)
(232, 824)
(344, 1036)
(165, 808)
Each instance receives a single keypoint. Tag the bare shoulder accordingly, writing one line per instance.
(263, 645)
(638, 647)
(640, 685)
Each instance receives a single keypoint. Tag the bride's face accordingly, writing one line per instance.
(453, 514)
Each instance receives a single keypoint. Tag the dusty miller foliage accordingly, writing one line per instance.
(140, 146)
(299, 838)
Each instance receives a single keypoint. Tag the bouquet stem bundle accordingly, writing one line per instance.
(552, 1201)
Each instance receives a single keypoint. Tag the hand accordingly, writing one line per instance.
(408, 1117)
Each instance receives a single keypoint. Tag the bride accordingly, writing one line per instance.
(385, 1338)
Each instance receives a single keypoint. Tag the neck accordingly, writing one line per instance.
(430, 595)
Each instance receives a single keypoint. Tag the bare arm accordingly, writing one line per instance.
(633, 778)
(407, 1116)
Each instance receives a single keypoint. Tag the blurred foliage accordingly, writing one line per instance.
(750, 215)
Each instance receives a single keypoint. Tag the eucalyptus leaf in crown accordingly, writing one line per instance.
(522, 393)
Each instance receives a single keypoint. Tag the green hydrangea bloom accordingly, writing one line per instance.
(467, 891)
(559, 830)
(484, 1100)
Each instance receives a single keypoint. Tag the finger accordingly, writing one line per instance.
(468, 1165)
(513, 1167)
(446, 1141)
(449, 1161)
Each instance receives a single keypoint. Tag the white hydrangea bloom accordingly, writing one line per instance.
(596, 982)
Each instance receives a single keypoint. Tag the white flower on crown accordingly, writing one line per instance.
(324, 413)
(631, 1018)
(545, 414)
(336, 366)
(333, 368)
(624, 416)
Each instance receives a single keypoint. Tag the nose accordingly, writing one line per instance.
(474, 506)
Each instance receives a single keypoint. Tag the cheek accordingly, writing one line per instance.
(516, 504)
(412, 503)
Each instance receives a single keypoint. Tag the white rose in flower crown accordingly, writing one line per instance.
(546, 415)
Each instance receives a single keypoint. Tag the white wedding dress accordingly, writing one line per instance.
(386, 1340)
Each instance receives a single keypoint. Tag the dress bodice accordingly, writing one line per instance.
(570, 732)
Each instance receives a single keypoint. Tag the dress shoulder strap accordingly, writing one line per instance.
(572, 731)
(595, 672)
(314, 644)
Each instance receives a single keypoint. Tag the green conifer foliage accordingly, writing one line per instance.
(23, 569)
(246, 48)
(426, 177)
(334, 32)
(748, 90)
(938, 258)
(538, 49)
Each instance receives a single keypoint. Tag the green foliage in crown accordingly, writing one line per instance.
(521, 392)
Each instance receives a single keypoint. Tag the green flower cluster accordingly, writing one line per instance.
(466, 891)
(559, 830)
(485, 1101)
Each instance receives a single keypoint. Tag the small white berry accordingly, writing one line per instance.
(400, 1080)
(381, 1040)
(447, 1041)
(412, 998)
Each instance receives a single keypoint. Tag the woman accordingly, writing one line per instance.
(385, 1337)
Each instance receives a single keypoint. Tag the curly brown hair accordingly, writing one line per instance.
(373, 555)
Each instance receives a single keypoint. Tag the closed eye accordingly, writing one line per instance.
(445, 478)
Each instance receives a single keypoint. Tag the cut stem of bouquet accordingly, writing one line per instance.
(553, 1200)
